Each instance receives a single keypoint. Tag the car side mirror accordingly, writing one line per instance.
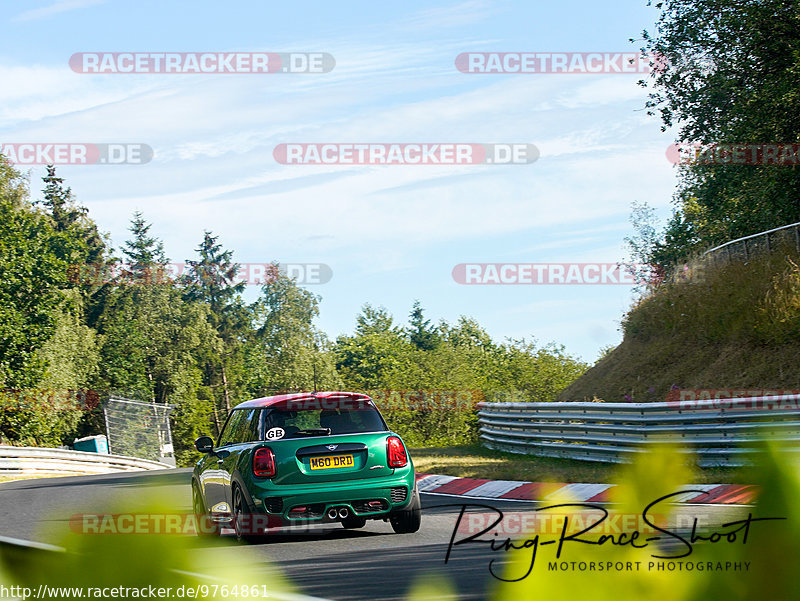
(204, 444)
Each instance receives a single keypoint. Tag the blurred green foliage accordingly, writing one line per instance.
(141, 561)
(771, 548)
(770, 551)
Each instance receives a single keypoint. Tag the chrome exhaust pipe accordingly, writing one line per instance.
(332, 513)
(343, 513)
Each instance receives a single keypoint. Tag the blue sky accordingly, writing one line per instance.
(391, 234)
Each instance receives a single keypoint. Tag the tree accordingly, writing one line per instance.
(730, 77)
(144, 254)
(153, 339)
(44, 344)
(374, 320)
(81, 246)
(377, 347)
(31, 277)
(420, 332)
(641, 244)
(287, 352)
(13, 185)
(59, 201)
(71, 358)
(73, 219)
(212, 280)
(467, 333)
(536, 373)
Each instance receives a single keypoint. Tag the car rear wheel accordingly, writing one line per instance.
(408, 520)
(354, 522)
(205, 527)
(241, 518)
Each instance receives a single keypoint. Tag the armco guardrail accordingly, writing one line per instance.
(721, 431)
(39, 461)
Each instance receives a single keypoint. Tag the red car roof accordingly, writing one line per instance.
(268, 401)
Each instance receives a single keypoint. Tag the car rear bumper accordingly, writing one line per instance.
(373, 499)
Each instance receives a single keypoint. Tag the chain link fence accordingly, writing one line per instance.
(739, 250)
(742, 249)
(137, 429)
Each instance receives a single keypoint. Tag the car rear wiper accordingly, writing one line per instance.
(313, 432)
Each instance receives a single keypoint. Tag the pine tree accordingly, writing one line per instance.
(211, 280)
(87, 244)
(59, 201)
(420, 333)
(79, 244)
(145, 254)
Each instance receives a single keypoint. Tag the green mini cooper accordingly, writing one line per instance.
(300, 459)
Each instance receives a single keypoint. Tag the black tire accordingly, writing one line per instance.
(409, 519)
(201, 514)
(354, 522)
(239, 509)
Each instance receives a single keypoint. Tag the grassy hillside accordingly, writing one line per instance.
(728, 327)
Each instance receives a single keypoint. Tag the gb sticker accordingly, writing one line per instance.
(275, 433)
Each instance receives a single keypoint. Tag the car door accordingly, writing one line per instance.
(244, 432)
(215, 479)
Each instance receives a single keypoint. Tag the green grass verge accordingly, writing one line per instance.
(474, 461)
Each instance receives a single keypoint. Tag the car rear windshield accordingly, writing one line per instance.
(302, 420)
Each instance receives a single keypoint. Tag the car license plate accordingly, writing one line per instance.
(331, 462)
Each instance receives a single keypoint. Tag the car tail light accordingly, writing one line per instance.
(264, 462)
(396, 452)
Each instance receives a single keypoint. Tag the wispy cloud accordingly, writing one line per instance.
(391, 231)
(455, 15)
(53, 9)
